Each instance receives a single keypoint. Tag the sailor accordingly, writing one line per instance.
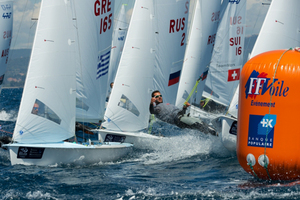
(35, 108)
(173, 115)
(203, 104)
(83, 128)
(111, 86)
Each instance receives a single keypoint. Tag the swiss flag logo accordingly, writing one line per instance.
(234, 74)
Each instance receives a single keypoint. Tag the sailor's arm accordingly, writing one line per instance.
(185, 106)
(152, 108)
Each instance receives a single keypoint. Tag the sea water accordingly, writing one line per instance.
(186, 164)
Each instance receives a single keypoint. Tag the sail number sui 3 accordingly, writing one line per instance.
(102, 7)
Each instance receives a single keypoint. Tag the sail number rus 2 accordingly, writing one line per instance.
(177, 25)
(102, 7)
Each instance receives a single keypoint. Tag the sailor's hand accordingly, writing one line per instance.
(186, 104)
(153, 100)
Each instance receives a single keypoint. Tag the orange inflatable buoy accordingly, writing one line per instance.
(268, 139)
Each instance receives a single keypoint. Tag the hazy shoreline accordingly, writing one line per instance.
(16, 87)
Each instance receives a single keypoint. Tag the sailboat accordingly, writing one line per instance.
(198, 55)
(226, 64)
(280, 30)
(151, 59)
(6, 22)
(47, 114)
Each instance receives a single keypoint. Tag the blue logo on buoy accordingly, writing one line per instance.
(266, 125)
(261, 130)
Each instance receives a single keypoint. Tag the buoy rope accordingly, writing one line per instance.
(267, 131)
(251, 167)
(266, 166)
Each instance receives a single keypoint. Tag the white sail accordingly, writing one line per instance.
(152, 40)
(6, 26)
(171, 36)
(47, 112)
(128, 106)
(118, 40)
(50, 82)
(94, 29)
(233, 106)
(280, 30)
(281, 27)
(227, 59)
(199, 48)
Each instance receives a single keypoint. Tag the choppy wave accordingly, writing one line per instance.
(186, 164)
(8, 116)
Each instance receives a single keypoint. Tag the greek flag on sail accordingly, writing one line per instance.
(103, 64)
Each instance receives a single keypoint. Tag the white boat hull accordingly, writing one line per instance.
(203, 115)
(226, 127)
(140, 140)
(65, 153)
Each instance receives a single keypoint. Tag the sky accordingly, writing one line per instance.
(24, 27)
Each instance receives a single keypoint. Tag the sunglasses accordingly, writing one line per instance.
(35, 108)
(157, 96)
